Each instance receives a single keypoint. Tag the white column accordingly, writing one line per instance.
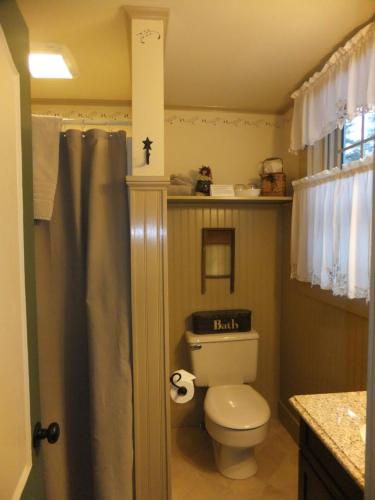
(147, 39)
(149, 279)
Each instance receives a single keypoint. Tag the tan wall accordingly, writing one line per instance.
(323, 339)
(257, 267)
(232, 144)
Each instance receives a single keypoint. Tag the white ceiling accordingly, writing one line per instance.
(235, 54)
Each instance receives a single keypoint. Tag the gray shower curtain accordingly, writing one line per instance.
(83, 297)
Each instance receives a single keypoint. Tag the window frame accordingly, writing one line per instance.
(361, 143)
(328, 153)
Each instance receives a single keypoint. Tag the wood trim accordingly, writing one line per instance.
(141, 12)
(148, 222)
(222, 109)
(228, 199)
(289, 421)
(147, 182)
(206, 239)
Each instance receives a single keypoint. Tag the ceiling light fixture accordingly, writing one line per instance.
(51, 61)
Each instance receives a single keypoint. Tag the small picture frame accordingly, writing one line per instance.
(223, 190)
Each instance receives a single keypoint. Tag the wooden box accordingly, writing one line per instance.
(224, 321)
(273, 184)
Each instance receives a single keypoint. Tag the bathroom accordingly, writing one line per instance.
(227, 105)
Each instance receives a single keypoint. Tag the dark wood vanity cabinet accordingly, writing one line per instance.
(321, 477)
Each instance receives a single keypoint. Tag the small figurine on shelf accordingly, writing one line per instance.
(204, 181)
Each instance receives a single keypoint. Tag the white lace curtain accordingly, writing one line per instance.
(331, 229)
(344, 88)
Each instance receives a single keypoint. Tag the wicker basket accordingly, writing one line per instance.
(273, 184)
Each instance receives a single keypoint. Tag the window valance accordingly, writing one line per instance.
(331, 229)
(344, 88)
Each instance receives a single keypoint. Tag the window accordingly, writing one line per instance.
(332, 212)
(330, 244)
(324, 154)
(354, 142)
(358, 138)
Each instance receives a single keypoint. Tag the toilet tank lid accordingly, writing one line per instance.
(206, 338)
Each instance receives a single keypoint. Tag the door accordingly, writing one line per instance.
(20, 468)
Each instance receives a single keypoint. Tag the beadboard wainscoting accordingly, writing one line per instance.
(149, 296)
(323, 345)
(257, 286)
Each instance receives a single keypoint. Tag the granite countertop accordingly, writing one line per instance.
(338, 419)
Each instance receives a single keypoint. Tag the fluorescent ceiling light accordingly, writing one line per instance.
(51, 61)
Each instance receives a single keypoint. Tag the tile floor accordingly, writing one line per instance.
(194, 475)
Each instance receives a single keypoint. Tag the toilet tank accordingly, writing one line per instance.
(223, 358)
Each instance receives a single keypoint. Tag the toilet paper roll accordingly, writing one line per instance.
(186, 381)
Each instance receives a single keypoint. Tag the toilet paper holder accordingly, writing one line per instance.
(181, 391)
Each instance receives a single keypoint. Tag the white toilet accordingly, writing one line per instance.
(236, 416)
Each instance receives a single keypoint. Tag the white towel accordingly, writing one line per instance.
(46, 140)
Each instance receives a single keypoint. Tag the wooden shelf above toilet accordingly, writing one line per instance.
(221, 199)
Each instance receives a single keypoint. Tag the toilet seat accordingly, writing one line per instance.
(237, 407)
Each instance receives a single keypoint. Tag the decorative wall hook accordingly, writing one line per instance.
(147, 146)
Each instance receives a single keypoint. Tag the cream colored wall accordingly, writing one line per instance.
(257, 287)
(232, 144)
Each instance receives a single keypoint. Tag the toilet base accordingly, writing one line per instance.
(235, 463)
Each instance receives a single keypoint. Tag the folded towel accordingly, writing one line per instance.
(46, 140)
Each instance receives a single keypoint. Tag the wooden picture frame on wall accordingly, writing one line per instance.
(218, 255)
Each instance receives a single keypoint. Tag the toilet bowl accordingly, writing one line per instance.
(236, 418)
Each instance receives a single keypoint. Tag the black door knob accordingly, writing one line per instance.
(52, 434)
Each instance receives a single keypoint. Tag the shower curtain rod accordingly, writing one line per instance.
(90, 121)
